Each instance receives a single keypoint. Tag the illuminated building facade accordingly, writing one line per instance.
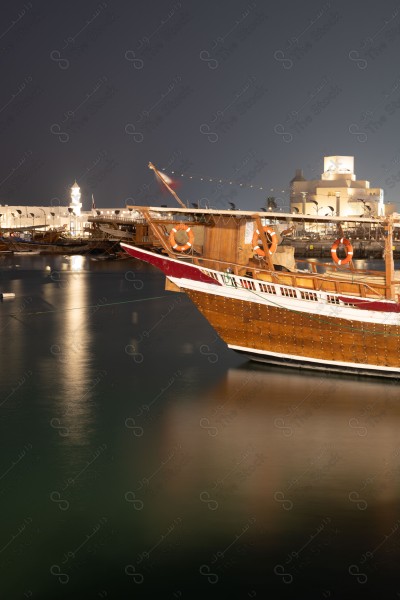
(338, 192)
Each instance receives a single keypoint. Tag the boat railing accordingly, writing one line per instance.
(369, 284)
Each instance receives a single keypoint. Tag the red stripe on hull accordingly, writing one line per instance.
(377, 305)
(171, 267)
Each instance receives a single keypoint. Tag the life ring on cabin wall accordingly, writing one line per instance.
(348, 248)
(173, 242)
(274, 241)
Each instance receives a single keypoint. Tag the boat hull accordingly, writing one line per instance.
(310, 340)
(283, 329)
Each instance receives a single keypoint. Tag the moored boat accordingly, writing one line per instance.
(271, 307)
(62, 246)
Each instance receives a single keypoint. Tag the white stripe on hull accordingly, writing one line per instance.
(322, 308)
(313, 363)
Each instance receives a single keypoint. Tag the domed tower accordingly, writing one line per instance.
(76, 203)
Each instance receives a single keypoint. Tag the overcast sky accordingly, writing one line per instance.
(235, 90)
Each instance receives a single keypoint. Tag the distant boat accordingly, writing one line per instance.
(62, 246)
(56, 244)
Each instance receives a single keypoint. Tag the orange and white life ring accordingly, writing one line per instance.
(173, 242)
(348, 248)
(274, 241)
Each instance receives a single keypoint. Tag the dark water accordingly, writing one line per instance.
(142, 459)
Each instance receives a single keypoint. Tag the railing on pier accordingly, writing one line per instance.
(116, 219)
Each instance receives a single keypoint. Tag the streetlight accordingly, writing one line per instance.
(365, 206)
(53, 215)
(45, 221)
(20, 216)
(33, 224)
(332, 211)
(337, 194)
(304, 200)
(71, 212)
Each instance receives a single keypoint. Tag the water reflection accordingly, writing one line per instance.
(299, 464)
(77, 262)
(72, 351)
(345, 429)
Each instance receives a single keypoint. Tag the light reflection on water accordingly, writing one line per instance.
(318, 433)
(73, 356)
(191, 468)
(77, 263)
(312, 461)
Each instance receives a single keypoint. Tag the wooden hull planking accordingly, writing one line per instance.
(276, 334)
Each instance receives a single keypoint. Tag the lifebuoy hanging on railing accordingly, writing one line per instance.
(274, 241)
(174, 245)
(348, 248)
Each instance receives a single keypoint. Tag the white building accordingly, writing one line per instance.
(338, 192)
(70, 218)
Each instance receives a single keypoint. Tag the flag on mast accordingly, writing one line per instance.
(162, 177)
(173, 183)
(93, 204)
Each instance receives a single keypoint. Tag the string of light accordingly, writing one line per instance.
(207, 178)
(44, 312)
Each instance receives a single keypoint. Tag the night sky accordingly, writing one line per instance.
(240, 90)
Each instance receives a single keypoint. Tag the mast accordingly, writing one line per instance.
(152, 167)
(389, 262)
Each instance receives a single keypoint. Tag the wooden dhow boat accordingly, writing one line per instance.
(275, 309)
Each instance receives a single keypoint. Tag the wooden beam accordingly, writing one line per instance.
(156, 232)
(389, 263)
